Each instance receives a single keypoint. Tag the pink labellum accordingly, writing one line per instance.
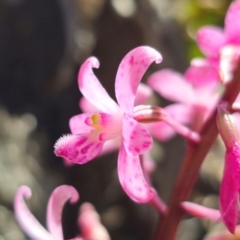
(79, 148)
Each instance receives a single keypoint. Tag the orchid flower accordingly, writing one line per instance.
(30, 224)
(143, 94)
(92, 130)
(195, 100)
(230, 186)
(222, 46)
(88, 220)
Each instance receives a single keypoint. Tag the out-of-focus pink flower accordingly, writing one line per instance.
(88, 220)
(195, 100)
(92, 130)
(30, 224)
(222, 46)
(230, 186)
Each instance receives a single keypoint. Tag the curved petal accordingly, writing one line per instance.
(86, 106)
(79, 148)
(132, 178)
(171, 85)
(202, 73)
(78, 124)
(55, 207)
(232, 23)
(130, 73)
(26, 220)
(210, 39)
(136, 138)
(144, 92)
(229, 190)
(92, 89)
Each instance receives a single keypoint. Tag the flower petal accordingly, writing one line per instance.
(55, 207)
(210, 39)
(232, 23)
(26, 220)
(111, 145)
(136, 138)
(92, 89)
(144, 92)
(130, 73)
(78, 124)
(86, 106)
(202, 73)
(79, 148)
(89, 222)
(132, 178)
(229, 189)
(171, 85)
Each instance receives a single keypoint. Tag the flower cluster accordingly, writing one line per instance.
(89, 223)
(130, 126)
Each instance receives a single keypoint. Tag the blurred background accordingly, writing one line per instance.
(42, 45)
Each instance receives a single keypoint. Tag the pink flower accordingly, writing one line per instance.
(92, 130)
(222, 46)
(30, 224)
(230, 186)
(89, 221)
(195, 100)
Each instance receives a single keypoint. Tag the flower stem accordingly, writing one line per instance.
(188, 174)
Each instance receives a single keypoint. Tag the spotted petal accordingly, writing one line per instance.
(55, 207)
(132, 178)
(26, 220)
(92, 89)
(232, 23)
(130, 73)
(79, 148)
(136, 138)
(210, 39)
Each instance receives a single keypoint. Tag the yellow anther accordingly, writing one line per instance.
(96, 121)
